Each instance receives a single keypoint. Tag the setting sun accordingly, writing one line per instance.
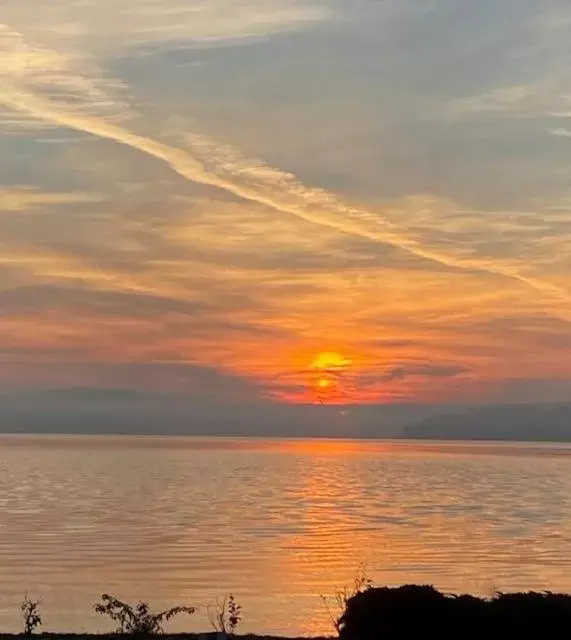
(330, 360)
(327, 369)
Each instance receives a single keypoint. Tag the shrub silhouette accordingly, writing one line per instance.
(336, 605)
(30, 615)
(139, 619)
(412, 611)
(531, 614)
(382, 612)
(227, 615)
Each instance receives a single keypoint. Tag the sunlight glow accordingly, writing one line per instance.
(330, 360)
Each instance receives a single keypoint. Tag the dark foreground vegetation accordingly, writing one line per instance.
(364, 613)
(423, 612)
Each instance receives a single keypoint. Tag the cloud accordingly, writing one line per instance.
(103, 24)
(104, 385)
(267, 186)
(62, 50)
(422, 370)
(23, 200)
(561, 132)
(35, 76)
(80, 300)
(518, 100)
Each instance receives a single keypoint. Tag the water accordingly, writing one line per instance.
(277, 522)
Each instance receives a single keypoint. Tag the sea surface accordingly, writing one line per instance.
(279, 523)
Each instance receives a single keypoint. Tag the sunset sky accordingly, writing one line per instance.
(333, 201)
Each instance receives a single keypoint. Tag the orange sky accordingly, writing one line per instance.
(169, 203)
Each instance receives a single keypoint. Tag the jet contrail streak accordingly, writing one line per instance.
(326, 211)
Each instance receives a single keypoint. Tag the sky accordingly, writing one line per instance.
(286, 201)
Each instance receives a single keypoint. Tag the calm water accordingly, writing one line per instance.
(276, 522)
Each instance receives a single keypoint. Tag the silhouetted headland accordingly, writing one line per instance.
(524, 422)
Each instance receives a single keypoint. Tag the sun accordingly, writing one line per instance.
(326, 376)
(325, 387)
(330, 361)
(323, 383)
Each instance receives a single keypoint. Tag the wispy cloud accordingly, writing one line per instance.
(33, 77)
(561, 132)
(25, 199)
(99, 24)
(264, 185)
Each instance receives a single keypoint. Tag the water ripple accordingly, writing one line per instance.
(276, 522)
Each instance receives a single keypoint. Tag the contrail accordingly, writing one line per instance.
(287, 195)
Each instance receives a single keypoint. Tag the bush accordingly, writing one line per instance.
(138, 619)
(421, 611)
(30, 615)
(531, 614)
(382, 612)
(227, 615)
(337, 604)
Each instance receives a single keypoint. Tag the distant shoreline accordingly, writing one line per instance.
(129, 412)
(396, 439)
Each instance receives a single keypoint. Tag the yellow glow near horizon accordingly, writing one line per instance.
(328, 366)
(330, 360)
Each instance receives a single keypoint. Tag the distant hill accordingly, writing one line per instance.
(130, 411)
(532, 422)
